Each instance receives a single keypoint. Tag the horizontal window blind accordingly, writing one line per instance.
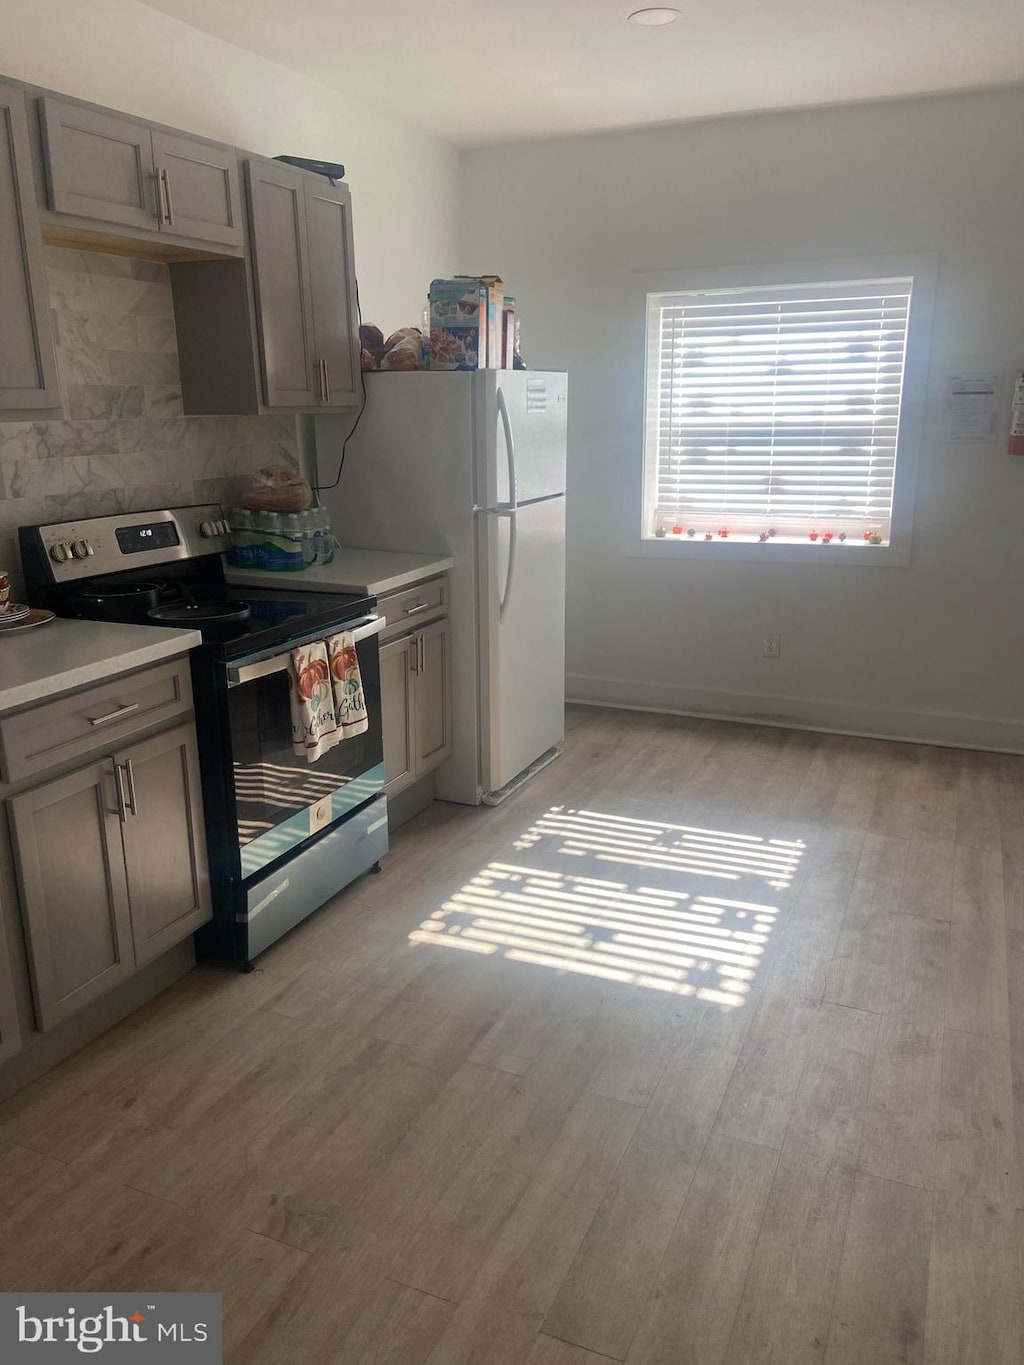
(775, 408)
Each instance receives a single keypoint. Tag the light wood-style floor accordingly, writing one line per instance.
(708, 1046)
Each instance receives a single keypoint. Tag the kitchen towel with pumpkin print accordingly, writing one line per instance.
(314, 716)
(349, 703)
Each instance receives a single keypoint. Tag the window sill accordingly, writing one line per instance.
(849, 554)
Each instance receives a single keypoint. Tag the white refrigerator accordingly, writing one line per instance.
(472, 464)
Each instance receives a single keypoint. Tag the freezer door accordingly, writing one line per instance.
(520, 417)
(521, 584)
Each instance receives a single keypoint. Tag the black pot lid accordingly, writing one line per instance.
(189, 612)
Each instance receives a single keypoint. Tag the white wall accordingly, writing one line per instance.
(125, 55)
(930, 650)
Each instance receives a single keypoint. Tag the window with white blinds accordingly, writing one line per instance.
(773, 414)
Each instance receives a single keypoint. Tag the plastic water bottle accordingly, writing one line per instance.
(307, 530)
(325, 541)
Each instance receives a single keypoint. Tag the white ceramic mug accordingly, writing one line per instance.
(5, 590)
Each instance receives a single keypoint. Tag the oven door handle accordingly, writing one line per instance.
(280, 663)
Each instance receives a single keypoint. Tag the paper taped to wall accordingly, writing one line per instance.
(974, 407)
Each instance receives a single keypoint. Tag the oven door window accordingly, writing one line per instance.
(281, 800)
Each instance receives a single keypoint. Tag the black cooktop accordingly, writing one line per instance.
(277, 616)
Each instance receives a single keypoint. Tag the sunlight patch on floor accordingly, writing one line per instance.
(678, 937)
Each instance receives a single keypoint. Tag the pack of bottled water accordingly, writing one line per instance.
(280, 541)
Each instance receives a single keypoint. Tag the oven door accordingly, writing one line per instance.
(281, 799)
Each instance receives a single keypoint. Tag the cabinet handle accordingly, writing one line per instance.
(422, 656)
(133, 804)
(155, 177)
(119, 714)
(122, 805)
(416, 606)
(327, 381)
(165, 181)
(414, 658)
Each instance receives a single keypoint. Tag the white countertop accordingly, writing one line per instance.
(58, 657)
(366, 571)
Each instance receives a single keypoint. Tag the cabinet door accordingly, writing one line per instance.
(164, 841)
(28, 370)
(398, 663)
(99, 165)
(198, 189)
(333, 282)
(433, 697)
(67, 842)
(281, 273)
(10, 1032)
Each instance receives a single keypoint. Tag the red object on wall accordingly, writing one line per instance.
(1016, 446)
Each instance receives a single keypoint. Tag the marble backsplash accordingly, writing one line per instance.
(123, 444)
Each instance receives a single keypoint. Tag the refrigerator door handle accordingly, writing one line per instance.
(503, 601)
(510, 450)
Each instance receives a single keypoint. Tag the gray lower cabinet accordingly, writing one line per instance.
(398, 712)
(415, 705)
(10, 1032)
(164, 841)
(112, 868)
(433, 694)
(74, 890)
(121, 171)
(28, 368)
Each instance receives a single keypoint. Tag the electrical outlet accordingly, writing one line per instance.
(771, 646)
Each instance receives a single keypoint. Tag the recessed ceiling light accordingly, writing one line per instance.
(654, 18)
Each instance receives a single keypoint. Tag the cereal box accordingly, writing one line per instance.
(508, 333)
(458, 324)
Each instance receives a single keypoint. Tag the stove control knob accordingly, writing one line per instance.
(81, 549)
(206, 529)
(61, 552)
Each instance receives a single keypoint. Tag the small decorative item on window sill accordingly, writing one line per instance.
(872, 536)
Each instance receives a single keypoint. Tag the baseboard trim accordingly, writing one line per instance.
(944, 728)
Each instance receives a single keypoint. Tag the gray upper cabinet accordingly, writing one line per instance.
(98, 165)
(197, 186)
(28, 370)
(74, 892)
(110, 169)
(164, 844)
(282, 282)
(332, 276)
(305, 284)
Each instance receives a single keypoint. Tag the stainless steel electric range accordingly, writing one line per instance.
(283, 835)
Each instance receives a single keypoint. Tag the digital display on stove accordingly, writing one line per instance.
(153, 535)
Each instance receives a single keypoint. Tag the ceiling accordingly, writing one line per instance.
(481, 71)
